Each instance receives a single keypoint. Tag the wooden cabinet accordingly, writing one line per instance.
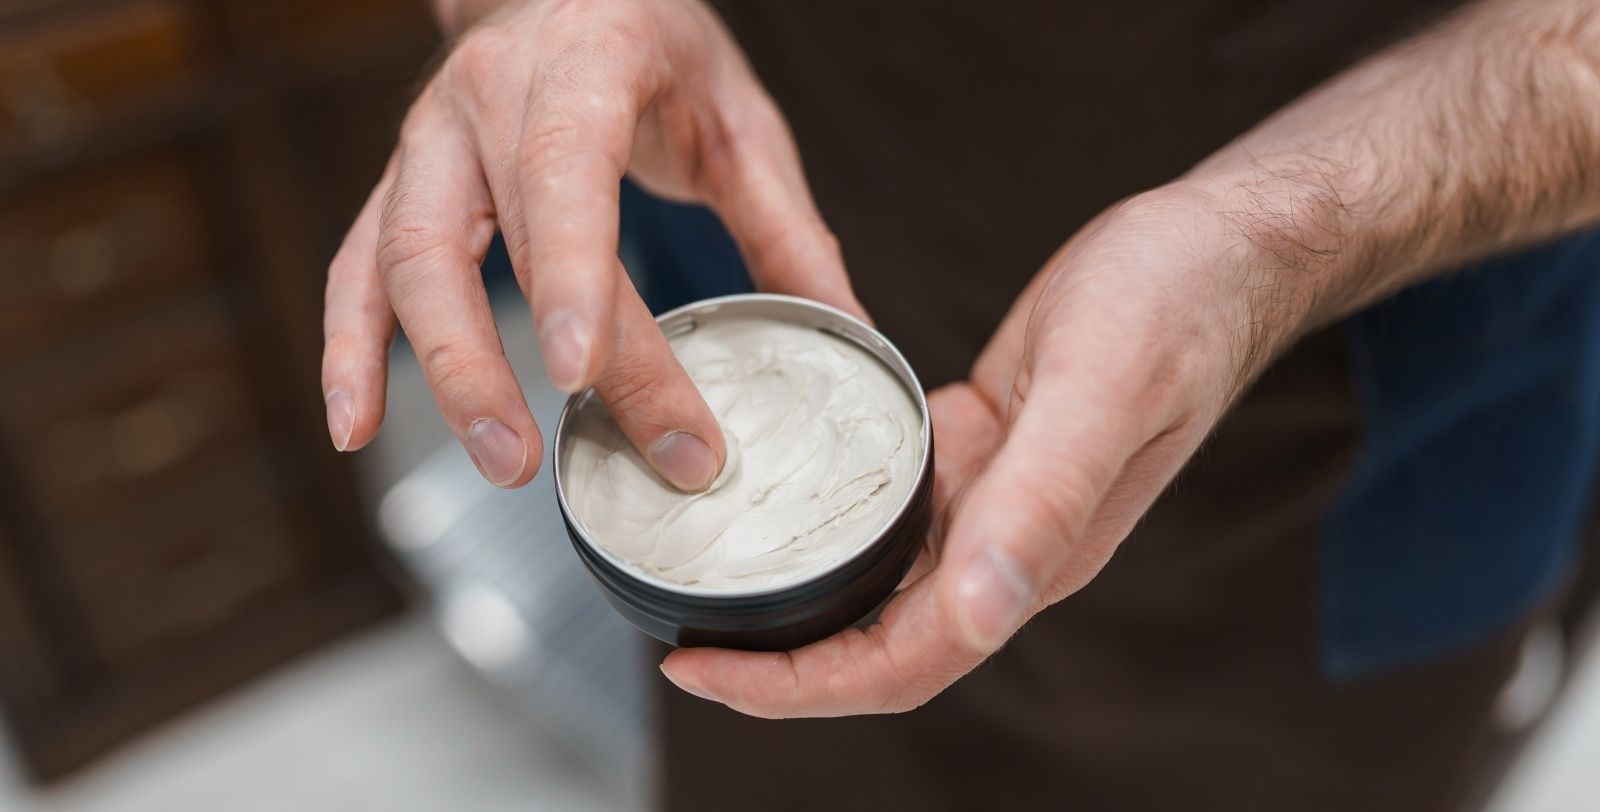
(62, 80)
(173, 179)
(84, 246)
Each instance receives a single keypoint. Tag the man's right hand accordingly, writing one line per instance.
(530, 124)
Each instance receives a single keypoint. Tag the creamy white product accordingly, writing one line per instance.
(824, 445)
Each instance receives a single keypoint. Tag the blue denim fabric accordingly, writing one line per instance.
(1480, 401)
(677, 254)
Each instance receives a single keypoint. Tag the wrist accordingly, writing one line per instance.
(1249, 261)
(1300, 237)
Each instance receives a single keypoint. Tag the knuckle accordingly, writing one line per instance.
(453, 369)
(572, 124)
(547, 146)
(412, 242)
(407, 256)
(590, 82)
(632, 383)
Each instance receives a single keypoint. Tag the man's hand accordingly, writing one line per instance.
(529, 124)
(1126, 349)
(1101, 381)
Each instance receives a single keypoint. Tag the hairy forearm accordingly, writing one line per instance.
(1480, 135)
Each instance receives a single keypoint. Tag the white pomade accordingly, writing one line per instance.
(824, 444)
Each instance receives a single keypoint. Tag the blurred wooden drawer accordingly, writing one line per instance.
(25, 667)
(87, 247)
(62, 79)
(186, 564)
(101, 422)
(320, 32)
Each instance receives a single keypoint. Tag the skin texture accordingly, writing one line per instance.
(529, 124)
(1130, 343)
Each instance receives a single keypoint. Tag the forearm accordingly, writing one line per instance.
(1479, 135)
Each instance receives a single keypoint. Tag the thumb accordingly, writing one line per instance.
(1022, 526)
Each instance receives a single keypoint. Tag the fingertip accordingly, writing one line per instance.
(686, 461)
(352, 420)
(500, 452)
(341, 418)
(685, 682)
(989, 599)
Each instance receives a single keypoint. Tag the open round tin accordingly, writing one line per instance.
(787, 615)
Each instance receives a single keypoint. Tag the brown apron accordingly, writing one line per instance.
(953, 146)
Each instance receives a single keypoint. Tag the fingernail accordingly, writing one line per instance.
(497, 451)
(688, 686)
(566, 350)
(995, 594)
(685, 460)
(341, 417)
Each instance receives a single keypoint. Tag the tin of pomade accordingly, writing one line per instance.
(823, 501)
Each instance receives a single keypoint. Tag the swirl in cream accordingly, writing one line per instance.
(823, 444)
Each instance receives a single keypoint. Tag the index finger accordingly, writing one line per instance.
(593, 328)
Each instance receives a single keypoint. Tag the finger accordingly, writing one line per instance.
(1024, 518)
(434, 228)
(892, 666)
(1086, 403)
(358, 327)
(593, 328)
(655, 402)
(574, 147)
(763, 197)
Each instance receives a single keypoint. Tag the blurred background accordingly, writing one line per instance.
(201, 605)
